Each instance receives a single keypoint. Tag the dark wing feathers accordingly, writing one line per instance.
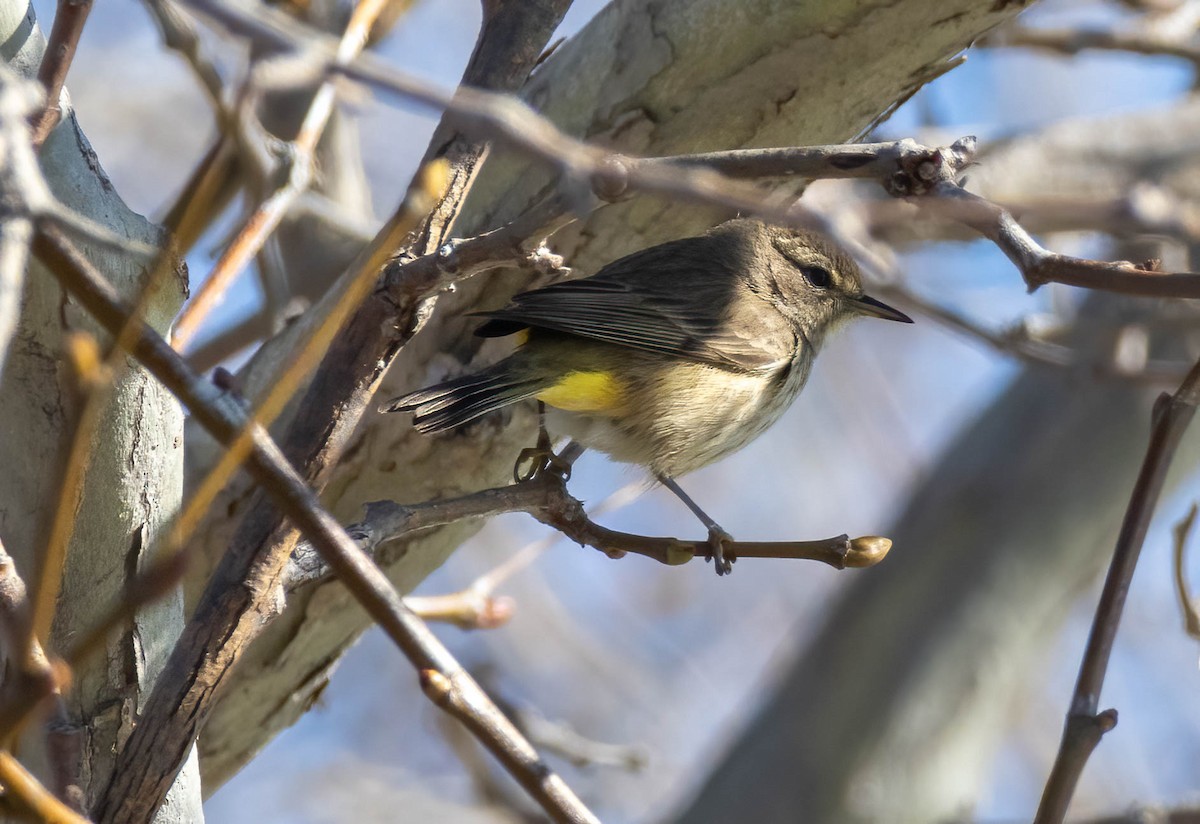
(659, 300)
(462, 400)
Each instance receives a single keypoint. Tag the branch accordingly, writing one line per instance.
(1085, 726)
(1067, 41)
(1039, 266)
(1187, 605)
(611, 177)
(18, 781)
(56, 62)
(1020, 342)
(179, 35)
(546, 499)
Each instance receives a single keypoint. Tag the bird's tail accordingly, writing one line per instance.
(462, 400)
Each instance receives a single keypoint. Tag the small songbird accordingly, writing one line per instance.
(672, 357)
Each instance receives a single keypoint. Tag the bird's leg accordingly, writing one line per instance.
(716, 535)
(542, 456)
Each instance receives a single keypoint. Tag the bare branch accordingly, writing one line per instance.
(1019, 342)
(1038, 265)
(562, 739)
(1187, 604)
(40, 801)
(476, 606)
(1072, 41)
(222, 627)
(56, 62)
(546, 499)
(180, 35)
(1085, 725)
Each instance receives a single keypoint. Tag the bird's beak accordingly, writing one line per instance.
(878, 309)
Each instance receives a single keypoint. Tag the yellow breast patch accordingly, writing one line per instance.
(595, 392)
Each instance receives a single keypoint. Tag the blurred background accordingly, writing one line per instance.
(671, 665)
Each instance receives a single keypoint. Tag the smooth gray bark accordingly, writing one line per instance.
(135, 472)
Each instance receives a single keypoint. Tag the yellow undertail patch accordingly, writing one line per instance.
(594, 392)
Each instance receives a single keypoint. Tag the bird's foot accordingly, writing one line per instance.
(535, 460)
(717, 538)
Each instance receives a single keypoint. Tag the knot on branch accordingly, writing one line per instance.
(919, 169)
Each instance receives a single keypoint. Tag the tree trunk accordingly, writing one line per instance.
(134, 475)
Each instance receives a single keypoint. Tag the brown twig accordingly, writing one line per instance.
(33, 685)
(1072, 41)
(1017, 342)
(904, 166)
(1187, 604)
(40, 801)
(29, 670)
(1039, 266)
(406, 280)
(229, 341)
(56, 62)
(179, 35)
(33, 679)
(1146, 208)
(1085, 725)
(426, 189)
(28, 198)
(477, 606)
(546, 499)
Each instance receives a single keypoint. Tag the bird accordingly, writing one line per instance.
(670, 358)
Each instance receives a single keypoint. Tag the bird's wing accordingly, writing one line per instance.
(659, 301)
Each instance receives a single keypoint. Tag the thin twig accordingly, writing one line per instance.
(1085, 725)
(476, 606)
(229, 341)
(31, 677)
(1072, 41)
(611, 177)
(546, 499)
(56, 62)
(179, 35)
(1187, 604)
(40, 801)
(906, 167)
(45, 678)
(565, 741)
(1039, 266)
(1017, 342)
(206, 191)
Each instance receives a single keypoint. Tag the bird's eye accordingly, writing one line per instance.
(817, 276)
